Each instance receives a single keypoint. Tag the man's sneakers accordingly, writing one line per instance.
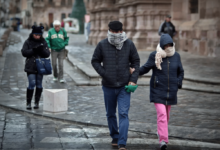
(121, 147)
(62, 81)
(55, 79)
(163, 145)
(114, 142)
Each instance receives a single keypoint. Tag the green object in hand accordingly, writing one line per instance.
(130, 88)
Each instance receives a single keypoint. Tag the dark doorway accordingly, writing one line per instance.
(50, 19)
(194, 6)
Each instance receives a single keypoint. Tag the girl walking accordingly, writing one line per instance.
(166, 79)
(34, 47)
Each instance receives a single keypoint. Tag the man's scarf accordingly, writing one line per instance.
(117, 39)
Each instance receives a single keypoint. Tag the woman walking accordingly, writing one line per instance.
(165, 81)
(34, 47)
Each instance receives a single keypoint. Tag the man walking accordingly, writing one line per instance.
(112, 59)
(57, 39)
(167, 27)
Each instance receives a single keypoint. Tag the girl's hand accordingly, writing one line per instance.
(132, 70)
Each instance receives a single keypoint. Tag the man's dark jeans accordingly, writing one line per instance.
(114, 96)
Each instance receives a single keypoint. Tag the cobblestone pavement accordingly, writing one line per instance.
(195, 117)
(20, 131)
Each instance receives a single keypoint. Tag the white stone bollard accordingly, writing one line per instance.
(55, 100)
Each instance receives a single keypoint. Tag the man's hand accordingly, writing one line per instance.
(131, 83)
(132, 70)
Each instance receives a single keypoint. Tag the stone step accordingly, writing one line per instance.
(78, 77)
(88, 76)
(201, 87)
(88, 70)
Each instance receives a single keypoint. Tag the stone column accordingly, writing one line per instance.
(104, 18)
(131, 21)
(157, 21)
(91, 4)
(106, 15)
(106, 4)
(92, 20)
(140, 37)
(148, 22)
(152, 26)
(122, 1)
(122, 17)
(97, 28)
(92, 27)
(97, 4)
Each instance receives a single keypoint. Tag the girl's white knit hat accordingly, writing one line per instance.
(56, 22)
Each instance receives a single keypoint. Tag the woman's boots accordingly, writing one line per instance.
(37, 97)
(29, 96)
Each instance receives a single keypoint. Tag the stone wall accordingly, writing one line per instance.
(102, 12)
(196, 32)
(141, 19)
(42, 9)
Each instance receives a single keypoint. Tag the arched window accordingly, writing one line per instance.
(194, 6)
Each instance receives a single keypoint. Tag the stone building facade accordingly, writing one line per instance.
(197, 22)
(198, 25)
(46, 11)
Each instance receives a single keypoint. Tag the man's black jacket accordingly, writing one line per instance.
(113, 65)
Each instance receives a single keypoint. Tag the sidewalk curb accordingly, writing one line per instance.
(83, 123)
(49, 117)
(76, 122)
(200, 90)
(205, 81)
(141, 83)
(187, 78)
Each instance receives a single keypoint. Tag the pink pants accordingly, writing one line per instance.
(163, 115)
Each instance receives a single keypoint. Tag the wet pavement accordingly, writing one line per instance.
(196, 117)
(25, 132)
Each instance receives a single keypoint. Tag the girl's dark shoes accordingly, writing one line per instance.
(163, 145)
